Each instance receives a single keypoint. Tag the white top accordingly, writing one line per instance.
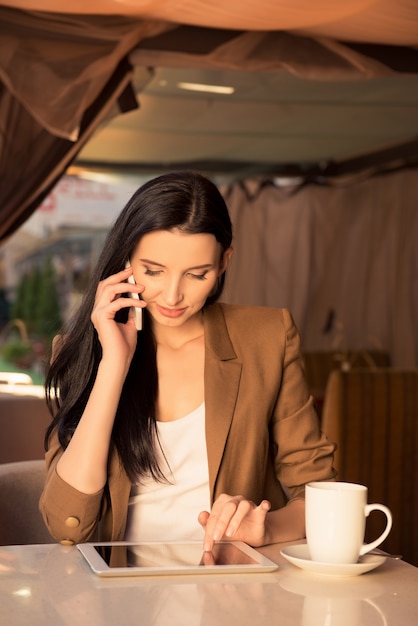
(168, 510)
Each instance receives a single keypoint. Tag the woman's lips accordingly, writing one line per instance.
(170, 312)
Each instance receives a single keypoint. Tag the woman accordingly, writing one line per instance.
(198, 425)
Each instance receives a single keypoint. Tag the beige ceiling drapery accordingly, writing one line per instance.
(64, 65)
(375, 21)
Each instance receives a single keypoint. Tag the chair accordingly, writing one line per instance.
(320, 363)
(23, 422)
(373, 417)
(21, 485)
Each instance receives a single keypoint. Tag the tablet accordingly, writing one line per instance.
(168, 558)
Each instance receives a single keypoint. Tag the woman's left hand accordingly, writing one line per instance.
(236, 519)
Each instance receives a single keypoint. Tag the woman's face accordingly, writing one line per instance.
(178, 271)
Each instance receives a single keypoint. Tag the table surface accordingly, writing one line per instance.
(51, 584)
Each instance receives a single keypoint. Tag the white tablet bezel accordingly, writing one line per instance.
(101, 568)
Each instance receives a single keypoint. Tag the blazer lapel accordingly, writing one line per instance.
(222, 377)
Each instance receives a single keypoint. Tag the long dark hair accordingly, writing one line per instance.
(183, 200)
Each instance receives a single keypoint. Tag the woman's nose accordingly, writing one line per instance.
(172, 293)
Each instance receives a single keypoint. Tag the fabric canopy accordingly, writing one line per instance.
(373, 21)
(64, 69)
(60, 77)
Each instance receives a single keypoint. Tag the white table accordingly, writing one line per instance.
(51, 585)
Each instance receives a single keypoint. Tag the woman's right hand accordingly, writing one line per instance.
(118, 340)
(84, 462)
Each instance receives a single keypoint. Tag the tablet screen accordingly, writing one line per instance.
(172, 555)
(129, 559)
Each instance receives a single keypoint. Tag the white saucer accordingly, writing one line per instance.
(299, 556)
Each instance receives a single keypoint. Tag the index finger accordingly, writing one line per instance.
(119, 276)
(207, 559)
(218, 521)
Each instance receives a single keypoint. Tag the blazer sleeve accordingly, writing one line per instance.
(70, 515)
(302, 451)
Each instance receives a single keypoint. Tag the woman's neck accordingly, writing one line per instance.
(177, 337)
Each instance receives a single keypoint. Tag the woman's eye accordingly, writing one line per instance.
(149, 272)
(199, 276)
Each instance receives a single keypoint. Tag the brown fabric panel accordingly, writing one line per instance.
(374, 415)
(379, 417)
(395, 484)
(352, 435)
(319, 365)
(375, 448)
(404, 393)
(330, 421)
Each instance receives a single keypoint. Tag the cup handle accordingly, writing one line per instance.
(366, 547)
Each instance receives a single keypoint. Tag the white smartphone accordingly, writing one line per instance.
(137, 311)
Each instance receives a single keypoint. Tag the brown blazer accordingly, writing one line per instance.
(262, 432)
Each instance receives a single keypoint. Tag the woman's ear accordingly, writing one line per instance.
(226, 257)
(57, 343)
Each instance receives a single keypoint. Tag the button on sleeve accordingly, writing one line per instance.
(72, 522)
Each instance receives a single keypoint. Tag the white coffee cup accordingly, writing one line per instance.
(336, 515)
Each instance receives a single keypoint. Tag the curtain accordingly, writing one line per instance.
(60, 77)
(342, 258)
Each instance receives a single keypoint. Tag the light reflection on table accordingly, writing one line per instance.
(53, 585)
